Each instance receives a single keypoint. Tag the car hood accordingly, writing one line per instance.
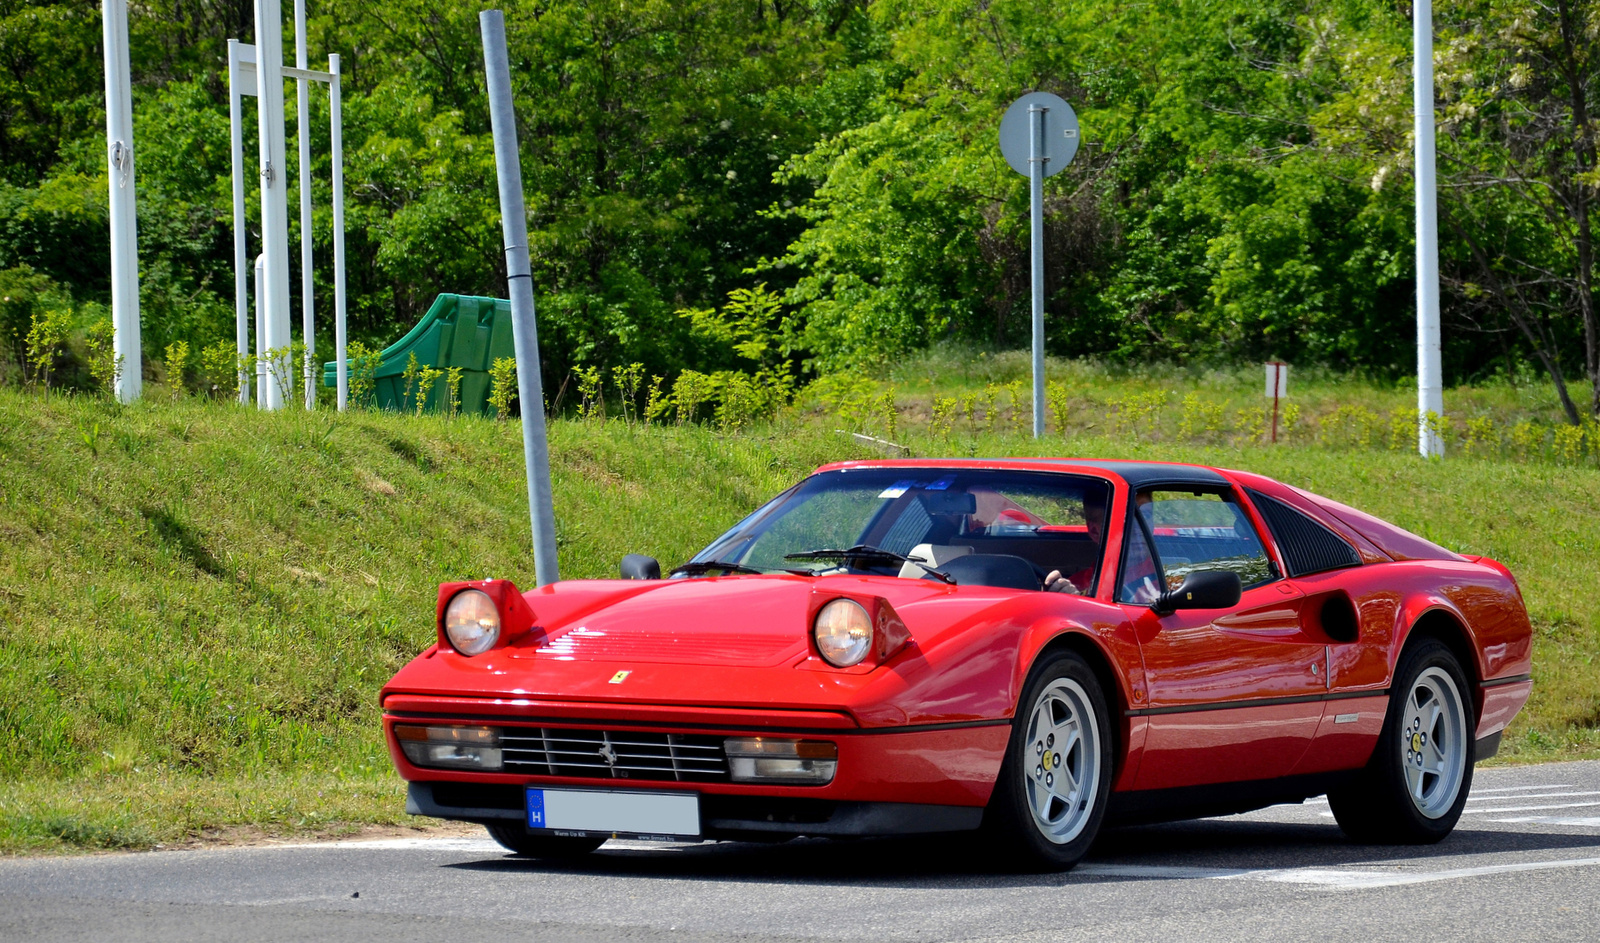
(738, 621)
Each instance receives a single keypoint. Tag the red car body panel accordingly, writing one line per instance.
(1265, 690)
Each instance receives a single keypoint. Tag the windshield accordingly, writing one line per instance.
(1055, 522)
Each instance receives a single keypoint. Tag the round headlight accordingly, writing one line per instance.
(471, 622)
(843, 632)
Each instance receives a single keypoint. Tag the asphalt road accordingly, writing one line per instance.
(1523, 865)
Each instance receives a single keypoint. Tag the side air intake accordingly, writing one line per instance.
(1308, 546)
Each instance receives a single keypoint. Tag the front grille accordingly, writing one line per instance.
(613, 754)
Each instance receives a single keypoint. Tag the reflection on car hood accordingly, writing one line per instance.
(745, 621)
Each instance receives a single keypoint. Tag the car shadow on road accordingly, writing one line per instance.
(957, 861)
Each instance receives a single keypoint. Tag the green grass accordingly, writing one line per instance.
(199, 602)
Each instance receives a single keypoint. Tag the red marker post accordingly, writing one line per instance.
(1277, 388)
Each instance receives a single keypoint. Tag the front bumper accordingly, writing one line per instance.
(893, 780)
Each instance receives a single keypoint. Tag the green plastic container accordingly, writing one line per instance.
(458, 331)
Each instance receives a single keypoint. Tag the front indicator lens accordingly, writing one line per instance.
(450, 747)
(843, 632)
(766, 760)
(471, 622)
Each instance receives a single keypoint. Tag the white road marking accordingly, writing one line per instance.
(1542, 795)
(1324, 877)
(391, 844)
(1591, 822)
(1476, 791)
(1530, 808)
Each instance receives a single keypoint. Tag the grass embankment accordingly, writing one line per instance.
(198, 603)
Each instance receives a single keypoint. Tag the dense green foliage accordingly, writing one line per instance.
(1243, 190)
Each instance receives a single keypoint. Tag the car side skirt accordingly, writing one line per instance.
(1141, 806)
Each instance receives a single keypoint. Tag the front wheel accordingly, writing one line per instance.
(518, 839)
(1415, 786)
(1055, 781)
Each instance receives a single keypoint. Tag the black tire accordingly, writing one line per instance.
(515, 838)
(1062, 686)
(1381, 806)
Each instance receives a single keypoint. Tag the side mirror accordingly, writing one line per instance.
(1202, 589)
(637, 566)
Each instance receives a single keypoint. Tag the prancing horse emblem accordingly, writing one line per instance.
(609, 755)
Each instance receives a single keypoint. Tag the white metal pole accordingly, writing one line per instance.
(1430, 382)
(336, 143)
(274, 201)
(263, 382)
(1036, 161)
(519, 274)
(126, 345)
(303, 132)
(241, 276)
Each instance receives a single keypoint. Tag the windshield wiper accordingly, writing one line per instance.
(698, 567)
(868, 552)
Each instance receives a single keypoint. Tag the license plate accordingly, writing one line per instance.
(614, 812)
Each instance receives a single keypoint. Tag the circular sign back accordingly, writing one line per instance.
(1059, 142)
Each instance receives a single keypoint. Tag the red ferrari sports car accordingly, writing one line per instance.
(1026, 647)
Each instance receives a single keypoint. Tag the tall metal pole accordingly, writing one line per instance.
(1430, 382)
(303, 133)
(519, 274)
(241, 280)
(274, 344)
(1036, 162)
(126, 345)
(336, 145)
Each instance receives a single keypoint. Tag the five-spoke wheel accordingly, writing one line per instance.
(1063, 742)
(1051, 796)
(1416, 784)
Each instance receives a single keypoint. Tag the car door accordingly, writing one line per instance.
(1233, 695)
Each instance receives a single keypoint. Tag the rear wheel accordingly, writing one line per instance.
(520, 840)
(1415, 786)
(1051, 796)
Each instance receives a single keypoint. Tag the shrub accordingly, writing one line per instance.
(46, 334)
(411, 374)
(425, 381)
(105, 367)
(1055, 395)
(452, 386)
(177, 362)
(691, 389)
(502, 386)
(219, 370)
(363, 364)
(592, 403)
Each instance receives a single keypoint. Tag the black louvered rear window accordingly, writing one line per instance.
(1308, 546)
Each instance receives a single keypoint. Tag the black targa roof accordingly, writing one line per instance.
(1142, 474)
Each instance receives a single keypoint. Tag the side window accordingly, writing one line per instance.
(1204, 531)
(1140, 584)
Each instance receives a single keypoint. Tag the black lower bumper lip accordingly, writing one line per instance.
(722, 816)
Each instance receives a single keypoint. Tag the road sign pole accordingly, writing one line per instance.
(1430, 384)
(1038, 137)
(241, 262)
(302, 131)
(1036, 167)
(519, 275)
(126, 346)
(274, 346)
(336, 147)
